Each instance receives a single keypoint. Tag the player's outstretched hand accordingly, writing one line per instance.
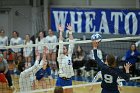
(37, 55)
(60, 28)
(69, 27)
(44, 54)
(127, 66)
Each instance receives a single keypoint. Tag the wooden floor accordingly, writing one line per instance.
(96, 88)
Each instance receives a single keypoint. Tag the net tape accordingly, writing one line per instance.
(76, 42)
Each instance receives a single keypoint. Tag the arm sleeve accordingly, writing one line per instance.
(99, 62)
(70, 48)
(31, 70)
(60, 51)
(55, 41)
(125, 76)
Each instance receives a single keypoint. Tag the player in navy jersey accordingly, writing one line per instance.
(110, 73)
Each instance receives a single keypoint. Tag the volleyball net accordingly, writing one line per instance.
(84, 75)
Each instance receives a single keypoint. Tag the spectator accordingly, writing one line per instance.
(51, 55)
(3, 42)
(16, 40)
(40, 40)
(27, 51)
(20, 65)
(132, 56)
(5, 71)
(78, 59)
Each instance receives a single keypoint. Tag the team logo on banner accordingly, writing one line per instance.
(106, 21)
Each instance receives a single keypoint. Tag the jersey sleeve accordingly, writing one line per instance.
(70, 48)
(99, 61)
(60, 51)
(55, 41)
(123, 75)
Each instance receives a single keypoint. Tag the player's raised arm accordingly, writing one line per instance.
(44, 59)
(61, 30)
(71, 45)
(69, 27)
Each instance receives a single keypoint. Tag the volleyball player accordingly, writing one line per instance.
(27, 51)
(3, 42)
(110, 73)
(27, 77)
(65, 60)
(40, 40)
(16, 40)
(51, 55)
(98, 78)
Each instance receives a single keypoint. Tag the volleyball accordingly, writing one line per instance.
(97, 37)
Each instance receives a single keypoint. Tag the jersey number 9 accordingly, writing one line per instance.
(108, 78)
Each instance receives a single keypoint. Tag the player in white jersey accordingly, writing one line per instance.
(16, 40)
(51, 55)
(27, 77)
(40, 40)
(27, 51)
(65, 60)
(3, 42)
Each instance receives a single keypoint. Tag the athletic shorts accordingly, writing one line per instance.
(63, 82)
(3, 50)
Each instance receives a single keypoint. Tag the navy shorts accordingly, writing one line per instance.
(3, 50)
(109, 91)
(63, 82)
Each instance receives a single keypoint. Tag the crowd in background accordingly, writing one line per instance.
(19, 59)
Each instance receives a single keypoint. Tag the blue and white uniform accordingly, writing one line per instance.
(65, 66)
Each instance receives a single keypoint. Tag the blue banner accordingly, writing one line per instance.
(106, 21)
